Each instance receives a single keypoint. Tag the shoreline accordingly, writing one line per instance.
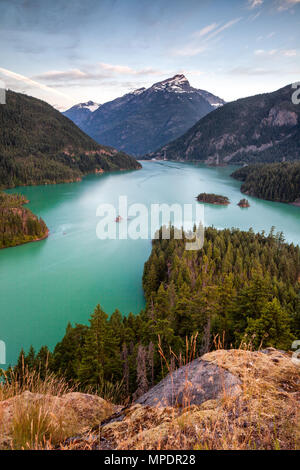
(76, 180)
(46, 235)
(295, 203)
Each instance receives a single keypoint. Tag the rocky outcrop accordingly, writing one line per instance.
(236, 399)
(280, 117)
(263, 395)
(243, 203)
(192, 384)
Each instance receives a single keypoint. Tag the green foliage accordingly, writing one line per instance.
(212, 199)
(273, 181)
(238, 284)
(17, 224)
(38, 145)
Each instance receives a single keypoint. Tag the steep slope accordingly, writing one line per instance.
(38, 145)
(272, 181)
(81, 112)
(141, 121)
(262, 128)
(18, 225)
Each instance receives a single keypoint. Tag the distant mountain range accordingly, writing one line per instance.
(39, 145)
(144, 120)
(261, 128)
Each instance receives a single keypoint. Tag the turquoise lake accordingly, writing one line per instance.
(46, 284)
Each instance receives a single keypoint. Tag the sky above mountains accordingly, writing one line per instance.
(67, 52)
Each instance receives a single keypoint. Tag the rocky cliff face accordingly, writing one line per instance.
(142, 121)
(262, 128)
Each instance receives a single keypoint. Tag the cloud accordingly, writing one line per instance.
(254, 3)
(290, 53)
(262, 52)
(254, 17)
(227, 25)
(251, 71)
(125, 70)
(73, 74)
(99, 72)
(28, 82)
(205, 30)
(277, 52)
(202, 40)
(286, 4)
(256, 71)
(190, 50)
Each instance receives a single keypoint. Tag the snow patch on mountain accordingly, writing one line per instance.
(90, 105)
(177, 84)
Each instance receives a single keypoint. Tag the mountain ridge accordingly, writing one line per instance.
(260, 128)
(141, 121)
(38, 145)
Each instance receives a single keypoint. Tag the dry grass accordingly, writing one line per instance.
(264, 416)
(14, 384)
(40, 424)
(37, 421)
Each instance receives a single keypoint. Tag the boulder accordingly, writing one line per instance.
(192, 384)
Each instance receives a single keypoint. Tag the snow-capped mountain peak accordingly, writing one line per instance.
(90, 105)
(177, 80)
(145, 119)
(178, 84)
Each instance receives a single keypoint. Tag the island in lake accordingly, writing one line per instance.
(213, 199)
(244, 203)
(18, 224)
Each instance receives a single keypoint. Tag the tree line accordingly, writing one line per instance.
(274, 181)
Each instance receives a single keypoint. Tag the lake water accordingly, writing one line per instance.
(45, 285)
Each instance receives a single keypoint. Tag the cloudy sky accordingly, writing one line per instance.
(66, 51)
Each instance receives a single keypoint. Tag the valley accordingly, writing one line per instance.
(64, 277)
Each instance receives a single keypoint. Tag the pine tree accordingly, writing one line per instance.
(272, 328)
(92, 367)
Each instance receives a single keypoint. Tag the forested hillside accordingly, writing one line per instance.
(274, 182)
(39, 145)
(261, 128)
(241, 286)
(18, 224)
